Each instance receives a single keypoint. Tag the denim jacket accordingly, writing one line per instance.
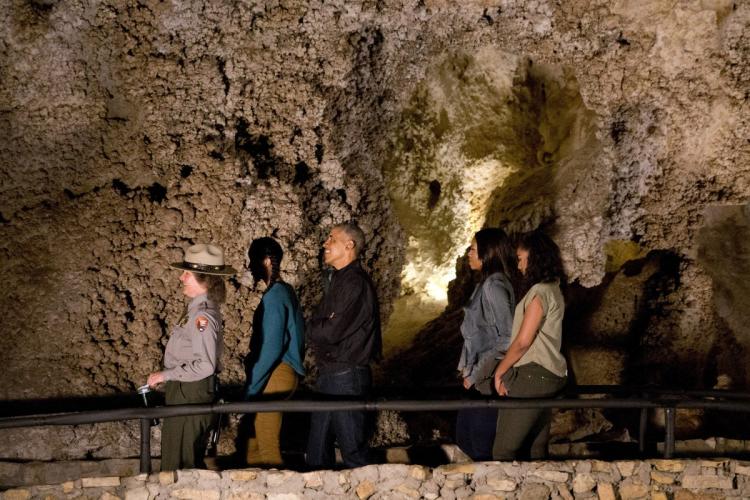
(487, 325)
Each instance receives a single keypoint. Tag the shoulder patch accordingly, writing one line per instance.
(201, 322)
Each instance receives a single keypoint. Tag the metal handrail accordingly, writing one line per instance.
(668, 400)
(19, 407)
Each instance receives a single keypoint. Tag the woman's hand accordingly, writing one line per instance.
(500, 387)
(532, 320)
(155, 379)
(499, 384)
(467, 383)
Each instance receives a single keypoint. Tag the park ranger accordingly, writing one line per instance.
(192, 356)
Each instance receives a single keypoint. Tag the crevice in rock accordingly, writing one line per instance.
(487, 18)
(156, 192)
(71, 195)
(434, 188)
(319, 149)
(301, 173)
(121, 188)
(617, 130)
(162, 322)
(258, 147)
(221, 65)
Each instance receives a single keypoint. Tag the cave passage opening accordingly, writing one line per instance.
(479, 143)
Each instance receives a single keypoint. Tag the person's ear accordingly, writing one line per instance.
(349, 245)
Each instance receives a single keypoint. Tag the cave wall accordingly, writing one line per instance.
(135, 129)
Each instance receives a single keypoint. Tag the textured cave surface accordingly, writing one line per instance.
(131, 130)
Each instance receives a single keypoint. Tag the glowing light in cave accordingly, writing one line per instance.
(427, 278)
(429, 281)
(460, 136)
(437, 284)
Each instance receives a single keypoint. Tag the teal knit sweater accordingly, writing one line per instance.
(278, 336)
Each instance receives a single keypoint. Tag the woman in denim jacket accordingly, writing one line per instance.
(486, 329)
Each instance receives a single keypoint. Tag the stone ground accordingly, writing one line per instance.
(566, 480)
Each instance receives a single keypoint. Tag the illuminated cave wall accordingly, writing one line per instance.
(486, 139)
(134, 129)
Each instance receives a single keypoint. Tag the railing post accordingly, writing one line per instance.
(642, 431)
(145, 445)
(669, 414)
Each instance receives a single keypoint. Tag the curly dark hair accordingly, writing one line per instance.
(260, 249)
(495, 250)
(545, 263)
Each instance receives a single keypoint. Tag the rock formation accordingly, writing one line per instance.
(135, 129)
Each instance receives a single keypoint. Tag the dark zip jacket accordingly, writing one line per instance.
(345, 328)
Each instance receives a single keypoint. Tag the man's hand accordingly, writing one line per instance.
(155, 379)
(467, 383)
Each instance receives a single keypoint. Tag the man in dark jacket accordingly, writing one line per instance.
(345, 336)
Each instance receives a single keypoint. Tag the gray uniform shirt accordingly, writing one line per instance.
(486, 327)
(192, 354)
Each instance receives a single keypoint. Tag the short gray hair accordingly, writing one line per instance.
(354, 232)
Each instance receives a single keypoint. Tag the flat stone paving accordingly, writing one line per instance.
(568, 480)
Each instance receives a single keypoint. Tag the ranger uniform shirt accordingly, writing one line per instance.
(195, 344)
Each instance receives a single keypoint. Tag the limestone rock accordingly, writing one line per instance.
(17, 494)
(140, 493)
(240, 475)
(195, 494)
(605, 491)
(583, 483)
(632, 491)
(365, 489)
(705, 482)
(100, 482)
(131, 133)
(662, 477)
(501, 484)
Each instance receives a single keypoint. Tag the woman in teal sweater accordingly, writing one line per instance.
(276, 349)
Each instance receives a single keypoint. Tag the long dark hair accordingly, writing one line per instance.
(216, 291)
(260, 249)
(495, 250)
(545, 263)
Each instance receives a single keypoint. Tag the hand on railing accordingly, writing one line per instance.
(155, 379)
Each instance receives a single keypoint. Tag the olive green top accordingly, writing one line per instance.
(545, 350)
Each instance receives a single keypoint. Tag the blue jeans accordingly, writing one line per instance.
(475, 432)
(347, 428)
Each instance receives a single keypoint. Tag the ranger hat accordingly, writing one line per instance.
(206, 259)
